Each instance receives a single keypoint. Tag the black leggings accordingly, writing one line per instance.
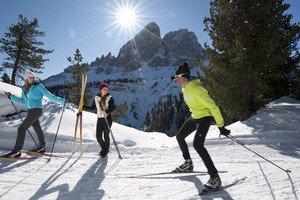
(102, 134)
(32, 119)
(202, 125)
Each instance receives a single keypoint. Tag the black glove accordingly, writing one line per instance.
(79, 114)
(224, 131)
(8, 94)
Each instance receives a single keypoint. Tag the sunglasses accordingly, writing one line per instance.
(178, 76)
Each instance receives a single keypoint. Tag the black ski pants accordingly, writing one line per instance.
(32, 119)
(201, 126)
(102, 134)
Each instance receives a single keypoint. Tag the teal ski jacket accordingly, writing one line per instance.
(33, 97)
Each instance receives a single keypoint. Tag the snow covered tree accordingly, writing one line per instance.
(23, 48)
(253, 56)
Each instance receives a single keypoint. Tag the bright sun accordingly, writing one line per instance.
(122, 19)
(126, 16)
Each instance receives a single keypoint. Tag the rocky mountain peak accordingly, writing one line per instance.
(153, 29)
(148, 46)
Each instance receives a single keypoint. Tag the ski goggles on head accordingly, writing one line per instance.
(178, 76)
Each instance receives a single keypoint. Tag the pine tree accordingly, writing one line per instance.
(120, 111)
(5, 78)
(167, 116)
(147, 121)
(78, 68)
(296, 86)
(253, 56)
(23, 48)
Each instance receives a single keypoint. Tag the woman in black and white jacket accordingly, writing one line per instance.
(105, 106)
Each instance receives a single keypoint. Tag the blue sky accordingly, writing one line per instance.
(71, 24)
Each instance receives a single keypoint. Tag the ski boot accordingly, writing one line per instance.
(186, 167)
(213, 183)
(13, 154)
(39, 150)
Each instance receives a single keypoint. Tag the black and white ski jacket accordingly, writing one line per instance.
(109, 105)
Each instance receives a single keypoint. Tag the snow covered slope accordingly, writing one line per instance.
(6, 106)
(273, 132)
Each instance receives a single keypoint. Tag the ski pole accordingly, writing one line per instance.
(23, 121)
(243, 145)
(113, 138)
(62, 113)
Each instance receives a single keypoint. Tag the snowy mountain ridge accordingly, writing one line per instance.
(147, 58)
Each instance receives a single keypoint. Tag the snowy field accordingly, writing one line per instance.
(273, 132)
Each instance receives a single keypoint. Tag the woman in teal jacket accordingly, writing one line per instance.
(31, 99)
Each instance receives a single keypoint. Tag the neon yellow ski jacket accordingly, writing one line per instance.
(200, 103)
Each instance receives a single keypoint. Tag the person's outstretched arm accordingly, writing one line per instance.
(50, 96)
(19, 100)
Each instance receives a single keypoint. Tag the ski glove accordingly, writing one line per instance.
(224, 131)
(79, 114)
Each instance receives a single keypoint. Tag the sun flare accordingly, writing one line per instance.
(122, 19)
(126, 17)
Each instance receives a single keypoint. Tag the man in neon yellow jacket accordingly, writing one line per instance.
(204, 111)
